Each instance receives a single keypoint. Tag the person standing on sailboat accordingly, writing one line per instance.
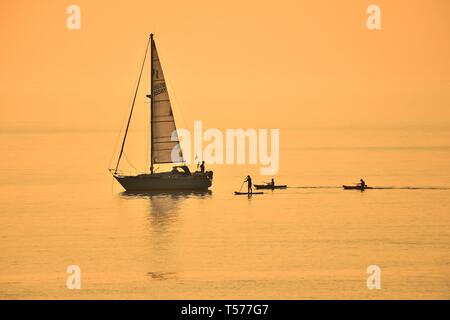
(202, 167)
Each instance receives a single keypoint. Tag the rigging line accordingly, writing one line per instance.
(129, 162)
(132, 107)
(124, 117)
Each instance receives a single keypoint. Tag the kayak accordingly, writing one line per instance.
(355, 188)
(246, 193)
(270, 187)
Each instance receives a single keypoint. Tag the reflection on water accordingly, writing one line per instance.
(172, 194)
(164, 206)
(161, 275)
(163, 214)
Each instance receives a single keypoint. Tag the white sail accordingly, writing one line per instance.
(164, 137)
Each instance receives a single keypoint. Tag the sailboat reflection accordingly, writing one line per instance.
(171, 194)
(165, 214)
(165, 205)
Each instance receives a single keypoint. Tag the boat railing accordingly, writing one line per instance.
(115, 172)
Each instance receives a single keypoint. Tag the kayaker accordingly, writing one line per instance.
(362, 183)
(249, 184)
(272, 183)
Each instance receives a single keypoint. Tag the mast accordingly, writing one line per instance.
(151, 102)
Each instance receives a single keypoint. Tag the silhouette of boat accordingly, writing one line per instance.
(269, 186)
(356, 188)
(165, 147)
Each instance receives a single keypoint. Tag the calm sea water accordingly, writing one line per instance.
(59, 206)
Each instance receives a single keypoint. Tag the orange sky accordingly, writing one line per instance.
(285, 64)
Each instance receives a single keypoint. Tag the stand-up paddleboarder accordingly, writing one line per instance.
(249, 184)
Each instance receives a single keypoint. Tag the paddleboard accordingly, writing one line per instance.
(246, 193)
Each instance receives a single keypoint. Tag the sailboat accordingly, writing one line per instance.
(164, 143)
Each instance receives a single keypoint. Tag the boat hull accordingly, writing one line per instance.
(355, 188)
(149, 182)
(269, 187)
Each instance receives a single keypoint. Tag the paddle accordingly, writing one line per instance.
(241, 186)
(246, 193)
